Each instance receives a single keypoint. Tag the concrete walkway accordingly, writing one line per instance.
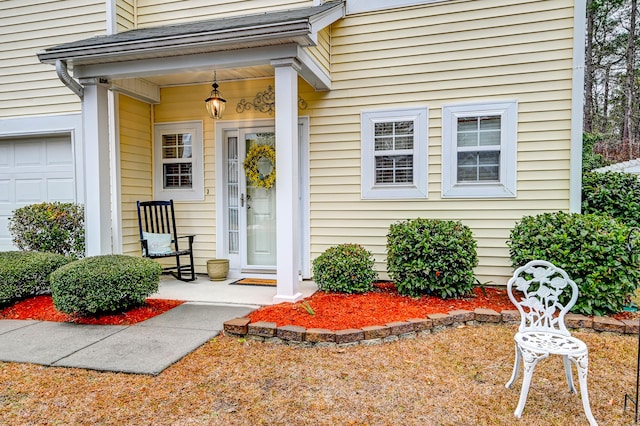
(145, 348)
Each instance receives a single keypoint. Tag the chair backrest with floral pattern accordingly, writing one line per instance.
(536, 289)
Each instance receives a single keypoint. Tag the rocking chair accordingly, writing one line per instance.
(158, 237)
(539, 285)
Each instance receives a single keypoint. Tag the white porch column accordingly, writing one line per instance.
(287, 180)
(95, 122)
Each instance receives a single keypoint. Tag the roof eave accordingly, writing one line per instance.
(216, 40)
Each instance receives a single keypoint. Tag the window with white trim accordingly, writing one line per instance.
(178, 156)
(479, 143)
(394, 153)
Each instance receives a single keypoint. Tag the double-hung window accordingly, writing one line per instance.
(178, 160)
(479, 150)
(394, 153)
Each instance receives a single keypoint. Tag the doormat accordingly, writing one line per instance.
(255, 281)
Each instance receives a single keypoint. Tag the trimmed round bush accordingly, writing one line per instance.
(431, 256)
(616, 194)
(26, 273)
(51, 227)
(104, 284)
(346, 268)
(591, 248)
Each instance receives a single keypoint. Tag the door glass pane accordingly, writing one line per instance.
(260, 208)
(233, 194)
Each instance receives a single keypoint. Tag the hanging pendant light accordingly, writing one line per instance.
(215, 104)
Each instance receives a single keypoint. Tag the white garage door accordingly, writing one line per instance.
(33, 170)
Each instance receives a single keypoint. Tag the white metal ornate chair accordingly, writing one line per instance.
(538, 287)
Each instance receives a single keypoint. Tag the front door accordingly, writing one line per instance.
(251, 199)
(258, 200)
(247, 197)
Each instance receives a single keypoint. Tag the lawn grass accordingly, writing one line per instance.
(452, 377)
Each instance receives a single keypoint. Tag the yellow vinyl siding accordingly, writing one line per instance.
(161, 12)
(125, 15)
(135, 166)
(322, 52)
(28, 87)
(444, 53)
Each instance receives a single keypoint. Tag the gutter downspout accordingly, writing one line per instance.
(63, 75)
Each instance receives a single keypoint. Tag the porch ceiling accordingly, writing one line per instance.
(206, 76)
(188, 51)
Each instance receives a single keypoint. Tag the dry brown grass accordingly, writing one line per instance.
(454, 377)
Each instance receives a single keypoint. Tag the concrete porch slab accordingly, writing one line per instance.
(204, 290)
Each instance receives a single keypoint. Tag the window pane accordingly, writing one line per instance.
(489, 173)
(478, 166)
(490, 123)
(384, 144)
(467, 139)
(177, 176)
(169, 144)
(384, 129)
(184, 145)
(404, 127)
(404, 142)
(489, 158)
(491, 137)
(467, 158)
(467, 174)
(394, 169)
(467, 124)
(176, 146)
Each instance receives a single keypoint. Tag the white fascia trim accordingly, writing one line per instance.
(194, 62)
(577, 103)
(138, 88)
(312, 72)
(325, 19)
(362, 6)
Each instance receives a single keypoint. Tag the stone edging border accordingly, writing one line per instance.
(300, 336)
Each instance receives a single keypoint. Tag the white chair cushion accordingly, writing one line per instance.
(158, 243)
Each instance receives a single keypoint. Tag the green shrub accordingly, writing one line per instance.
(26, 273)
(590, 159)
(429, 256)
(51, 227)
(616, 194)
(104, 284)
(591, 248)
(346, 268)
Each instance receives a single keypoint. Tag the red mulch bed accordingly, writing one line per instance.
(337, 311)
(41, 308)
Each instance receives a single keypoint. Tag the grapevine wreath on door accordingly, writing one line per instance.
(252, 163)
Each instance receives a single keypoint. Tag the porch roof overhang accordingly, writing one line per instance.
(220, 43)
